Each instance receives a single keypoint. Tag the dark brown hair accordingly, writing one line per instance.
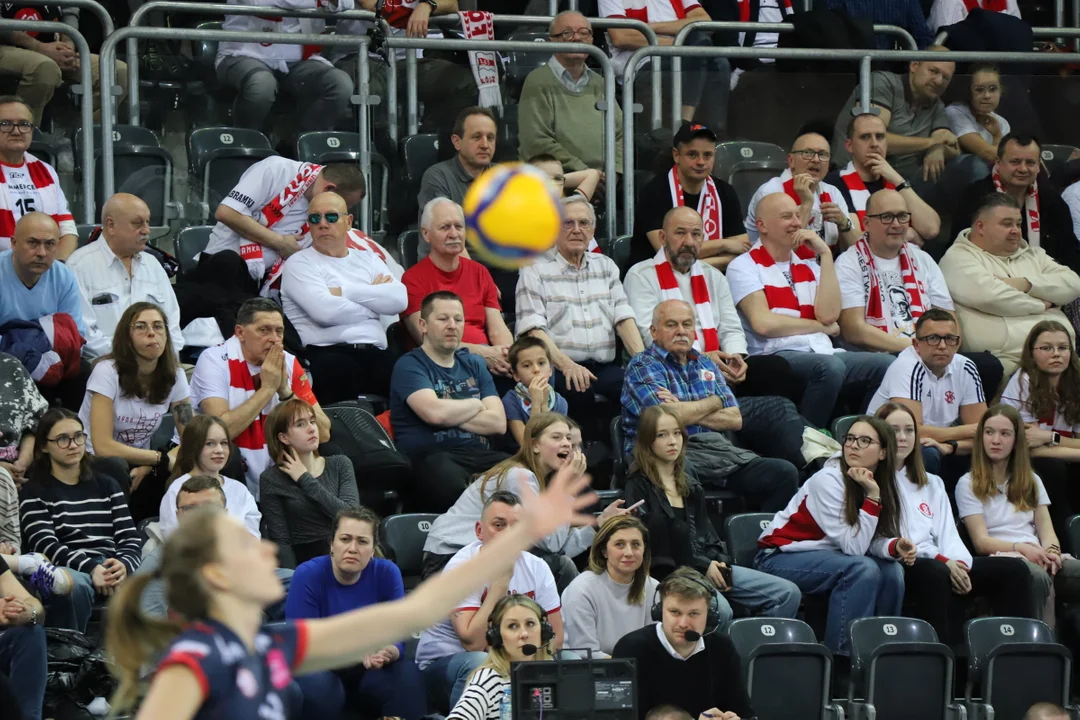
(192, 442)
(361, 514)
(598, 560)
(156, 388)
(42, 465)
(459, 123)
(888, 524)
(198, 483)
(278, 422)
(644, 459)
(913, 463)
(1043, 399)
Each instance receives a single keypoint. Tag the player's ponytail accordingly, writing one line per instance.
(133, 637)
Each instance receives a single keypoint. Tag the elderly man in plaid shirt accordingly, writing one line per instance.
(671, 371)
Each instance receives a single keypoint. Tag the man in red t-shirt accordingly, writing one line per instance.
(442, 224)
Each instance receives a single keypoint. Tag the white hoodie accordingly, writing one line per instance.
(927, 520)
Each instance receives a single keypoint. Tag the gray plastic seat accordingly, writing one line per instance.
(746, 166)
(741, 533)
(404, 536)
(217, 158)
(189, 242)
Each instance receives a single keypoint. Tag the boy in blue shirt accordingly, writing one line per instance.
(530, 364)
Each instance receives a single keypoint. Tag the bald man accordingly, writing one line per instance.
(790, 304)
(1046, 711)
(114, 273)
(335, 293)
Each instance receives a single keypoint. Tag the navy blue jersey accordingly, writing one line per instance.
(237, 685)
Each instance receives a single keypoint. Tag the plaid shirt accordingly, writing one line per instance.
(907, 14)
(656, 368)
(577, 308)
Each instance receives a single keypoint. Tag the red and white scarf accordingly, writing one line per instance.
(817, 222)
(252, 252)
(1031, 209)
(744, 10)
(355, 240)
(477, 25)
(875, 301)
(708, 204)
(857, 189)
(46, 189)
(783, 299)
(707, 339)
(988, 5)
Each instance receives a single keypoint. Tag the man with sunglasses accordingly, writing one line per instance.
(821, 206)
(336, 293)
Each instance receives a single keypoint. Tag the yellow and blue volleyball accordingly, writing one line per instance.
(512, 215)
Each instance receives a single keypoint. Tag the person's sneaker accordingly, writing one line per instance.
(44, 577)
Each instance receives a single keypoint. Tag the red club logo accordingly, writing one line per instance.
(925, 510)
(950, 397)
(31, 14)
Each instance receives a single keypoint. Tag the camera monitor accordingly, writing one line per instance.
(574, 690)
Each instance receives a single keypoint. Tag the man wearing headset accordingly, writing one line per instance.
(690, 666)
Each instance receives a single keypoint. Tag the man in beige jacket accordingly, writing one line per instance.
(1000, 285)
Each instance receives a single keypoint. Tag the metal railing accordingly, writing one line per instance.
(863, 57)
(108, 79)
(1037, 32)
(196, 8)
(84, 89)
(98, 9)
(607, 109)
(681, 37)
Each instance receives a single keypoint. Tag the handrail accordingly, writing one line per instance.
(549, 48)
(85, 89)
(1039, 32)
(863, 57)
(198, 8)
(684, 33)
(97, 8)
(108, 79)
(454, 21)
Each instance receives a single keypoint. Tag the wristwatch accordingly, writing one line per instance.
(33, 616)
(953, 444)
(845, 228)
(903, 186)
(1055, 438)
(433, 3)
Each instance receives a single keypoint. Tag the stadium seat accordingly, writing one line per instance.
(787, 672)
(741, 533)
(331, 146)
(42, 149)
(619, 251)
(189, 242)
(408, 247)
(523, 63)
(404, 537)
(747, 165)
(891, 656)
(1074, 535)
(1054, 156)
(618, 466)
(84, 234)
(1014, 663)
(142, 168)
(418, 153)
(841, 425)
(217, 157)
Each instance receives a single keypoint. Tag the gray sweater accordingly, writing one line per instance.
(596, 612)
(302, 512)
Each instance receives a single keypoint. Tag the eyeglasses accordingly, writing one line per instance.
(65, 441)
(822, 155)
(1048, 349)
(568, 34)
(142, 328)
(571, 224)
(859, 441)
(887, 218)
(10, 126)
(935, 340)
(316, 218)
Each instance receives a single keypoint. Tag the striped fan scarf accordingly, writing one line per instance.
(1031, 209)
(857, 188)
(817, 223)
(783, 299)
(251, 252)
(875, 302)
(707, 339)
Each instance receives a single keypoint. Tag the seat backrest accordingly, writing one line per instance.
(123, 136)
(747, 165)
(619, 466)
(741, 533)
(204, 52)
(41, 148)
(840, 427)
(749, 633)
(619, 251)
(891, 656)
(1016, 663)
(208, 143)
(328, 146)
(418, 153)
(408, 247)
(189, 242)
(1074, 535)
(404, 536)
(1054, 156)
(523, 63)
(984, 635)
(84, 234)
(870, 634)
(787, 672)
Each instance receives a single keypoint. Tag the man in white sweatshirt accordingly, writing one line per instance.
(335, 293)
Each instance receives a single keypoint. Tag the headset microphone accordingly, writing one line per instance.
(528, 650)
(692, 635)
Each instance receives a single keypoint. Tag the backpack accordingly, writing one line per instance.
(378, 464)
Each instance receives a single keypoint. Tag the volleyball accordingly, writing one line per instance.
(512, 215)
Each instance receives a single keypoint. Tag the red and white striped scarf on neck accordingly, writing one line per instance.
(988, 5)
(707, 339)
(817, 223)
(782, 297)
(1031, 209)
(857, 189)
(252, 252)
(708, 206)
(875, 302)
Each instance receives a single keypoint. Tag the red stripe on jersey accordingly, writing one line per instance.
(641, 14)
(301, 384)
(303, 637)
(39, 174)
(179, 658)
(800, 527)
(871, 507)
(7, 223)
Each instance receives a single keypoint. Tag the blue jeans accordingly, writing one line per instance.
(860, 586)
(72, 611)
(826, 375)
(397, 690)
(760, 593)
(447, 676)
(23, 660)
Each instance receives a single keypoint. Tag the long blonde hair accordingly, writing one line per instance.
(524, 457)
(497, 658)
(645, 460)
(1020, 478)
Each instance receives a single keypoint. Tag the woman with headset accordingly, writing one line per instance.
(517, 630)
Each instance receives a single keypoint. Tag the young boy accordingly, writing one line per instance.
(583, 182)
(530, 365)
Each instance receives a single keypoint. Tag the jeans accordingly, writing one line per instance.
(442, 474)
(760, 594)
(321, 92)
(23, 661)
(826, 375)
(447, 676)
(72, 611)
(396, 690)
(765, 484)
(859, 586)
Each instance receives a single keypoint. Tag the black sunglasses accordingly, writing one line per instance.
(316, 218)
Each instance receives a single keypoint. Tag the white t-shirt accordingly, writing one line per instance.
(1016, 395)
(896, 308)
(828, 231)
(22, 187)
(744, 278)
(239, 502)
(962, 122)
(353, 317)
(134, 420)
(768, 12)
(941, 397)
(531, 577)
(259, 185)
(1003, 520)
(647, 11)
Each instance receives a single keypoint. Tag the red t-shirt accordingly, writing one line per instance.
(471, 281)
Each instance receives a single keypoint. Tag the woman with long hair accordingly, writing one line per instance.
(517, 631)
(205, 450)
(820, 540)
(614, 596)
(76, 517)
(1005, 509)
(941, 579)
(546, 446)
(302, 492)
(129, 391)
(219, 579)
(682, 533)
(972, 117)
(355, 575)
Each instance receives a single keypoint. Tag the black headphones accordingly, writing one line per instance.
(494, 632)
(712, 620)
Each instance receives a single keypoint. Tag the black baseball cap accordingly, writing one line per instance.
(690, 132)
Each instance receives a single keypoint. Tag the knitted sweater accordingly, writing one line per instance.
(597, 612)
(554, 120)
